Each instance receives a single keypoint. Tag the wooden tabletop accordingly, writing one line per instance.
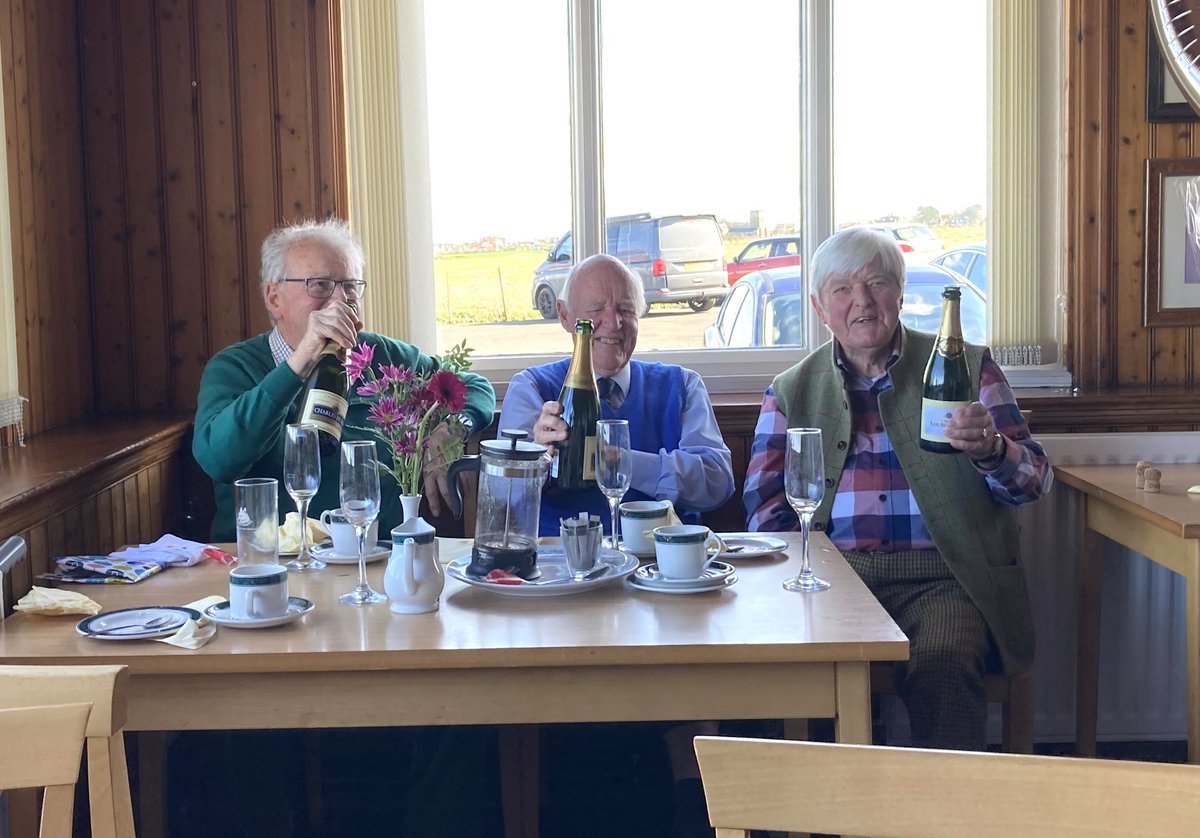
(1171, 508)
(753, 621)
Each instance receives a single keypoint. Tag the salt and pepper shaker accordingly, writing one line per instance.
(1140, 471)
(1152, 477)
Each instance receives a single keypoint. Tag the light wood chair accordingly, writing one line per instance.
(910, 793)
(104, 687)
(42, 747)
(1014, 693)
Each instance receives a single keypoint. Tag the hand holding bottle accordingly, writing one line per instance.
(550, 427)
(336, 321)
(971, 430)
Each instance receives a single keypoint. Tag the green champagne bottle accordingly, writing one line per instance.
(947, 380)
(574, 465)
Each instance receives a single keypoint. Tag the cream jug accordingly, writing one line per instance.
(414, 579)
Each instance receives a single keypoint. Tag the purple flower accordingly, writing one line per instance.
(372, 388)
(448, 390)
(385, 414)
(358, 360)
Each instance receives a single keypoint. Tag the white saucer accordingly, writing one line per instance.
(297, 608)
(641, 554)
(555, 579)
(747, 545)
(714, 573)
(324, 552)
(658, 588)
(126, 623)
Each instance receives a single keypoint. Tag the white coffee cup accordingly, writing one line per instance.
(684, 551)
(258, 591)
(639, 518)
(345, 539)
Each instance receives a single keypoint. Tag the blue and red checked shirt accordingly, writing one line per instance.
(874, 509)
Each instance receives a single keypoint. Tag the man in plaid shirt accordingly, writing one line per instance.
(932, 535)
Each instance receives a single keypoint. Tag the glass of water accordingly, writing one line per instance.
(256, 501)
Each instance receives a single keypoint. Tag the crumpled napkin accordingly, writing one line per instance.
(289, 533)
(195, 633)
(54, 602)
(672, 516)
(168, 550)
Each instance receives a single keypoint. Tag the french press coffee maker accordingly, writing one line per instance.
(511, 472)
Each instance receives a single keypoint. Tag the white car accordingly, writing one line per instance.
(917, 242)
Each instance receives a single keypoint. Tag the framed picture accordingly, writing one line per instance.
(1172, 242)
(1164, 100)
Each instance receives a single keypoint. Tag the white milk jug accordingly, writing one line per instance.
(414, 579)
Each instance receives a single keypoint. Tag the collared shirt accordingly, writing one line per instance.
(280, 351)
(696, 475)
(874, 509)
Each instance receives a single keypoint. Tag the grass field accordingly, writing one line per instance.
(495, 287)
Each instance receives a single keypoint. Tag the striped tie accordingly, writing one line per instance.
(610, 391)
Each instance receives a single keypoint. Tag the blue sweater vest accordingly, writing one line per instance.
(654, 408)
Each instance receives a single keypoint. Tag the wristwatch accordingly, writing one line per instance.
(999, 446)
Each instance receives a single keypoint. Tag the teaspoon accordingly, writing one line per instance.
(161, 621)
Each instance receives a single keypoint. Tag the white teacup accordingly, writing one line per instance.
(345, 539)
(639, 518)
(684, 551)
(258, 591)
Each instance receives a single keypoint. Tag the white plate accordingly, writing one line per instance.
(713, 574)
(555, 579)
(297, 608)
(644, 585)
(133, 618)
(746, 545)
(324, 552)
(641, 554)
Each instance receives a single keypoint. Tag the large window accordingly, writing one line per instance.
(682, 117)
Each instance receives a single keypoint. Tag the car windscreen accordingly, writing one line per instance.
(922, 310)
(690, 234)
(907, 234)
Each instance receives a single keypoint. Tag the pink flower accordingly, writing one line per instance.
(385, 413)
(358, 360)
(393, 374)
(448, 390)
(372, 388)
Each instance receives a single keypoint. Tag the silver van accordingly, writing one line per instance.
(680, 258)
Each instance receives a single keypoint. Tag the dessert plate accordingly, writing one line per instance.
(555, 579)
(746, 545)
(297, 608)
(713, 574)
(659, 588)
(324, 552)
(136, 623)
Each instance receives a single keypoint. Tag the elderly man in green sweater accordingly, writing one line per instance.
(312, 285)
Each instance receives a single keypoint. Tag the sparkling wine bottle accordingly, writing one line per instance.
(327, 397)
(947, 382)
(574, 465)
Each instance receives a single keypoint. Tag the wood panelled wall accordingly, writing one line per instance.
(151, 146)
(1109, 141)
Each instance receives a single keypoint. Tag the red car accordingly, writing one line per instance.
(760, 254)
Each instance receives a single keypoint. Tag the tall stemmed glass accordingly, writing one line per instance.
(302, 478)
(359, 492)
(614, 467)
(804, 484)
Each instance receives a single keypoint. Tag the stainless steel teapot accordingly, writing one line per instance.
(511, 473)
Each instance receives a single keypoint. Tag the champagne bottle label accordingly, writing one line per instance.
(326, 410)
(589, 458)
(934, 416)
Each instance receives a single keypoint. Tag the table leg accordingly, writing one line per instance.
(520, 760)
(853, 684)
(1192, 618)
(152, 783)
(1089, 567)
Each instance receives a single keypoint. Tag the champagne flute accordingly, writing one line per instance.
(302, 478)
(614, 467)
(359, 493)
(804, 485)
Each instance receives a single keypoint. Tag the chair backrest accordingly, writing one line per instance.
(42, 747)
(906, 793)
(104, 687)
(12, 551)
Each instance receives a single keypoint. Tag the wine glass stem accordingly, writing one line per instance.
(302, 508)
(362, 560)
(614, 527)
(805, 524)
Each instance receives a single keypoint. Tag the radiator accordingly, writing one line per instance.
(1143, 675)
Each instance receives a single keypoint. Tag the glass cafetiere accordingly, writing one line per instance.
(511, 472)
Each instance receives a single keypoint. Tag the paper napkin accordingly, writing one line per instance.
(289, 533)
(53, 602)
(195, 633)
(168, 550)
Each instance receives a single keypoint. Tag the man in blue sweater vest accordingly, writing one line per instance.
(678, 452)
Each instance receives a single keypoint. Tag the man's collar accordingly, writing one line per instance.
(622, 378)
(280, 351)
(839, 356)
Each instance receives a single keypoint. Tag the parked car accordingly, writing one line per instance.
(679, 258)
(760, 254)
(770, 308)
(970, 260)
(917, 242)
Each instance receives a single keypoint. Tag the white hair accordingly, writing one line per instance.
(332, 232)
(576, 276)
(849, 251)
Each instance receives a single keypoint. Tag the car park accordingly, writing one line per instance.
(770, 308)
(761, 254)
(969, 260)
(679, 258)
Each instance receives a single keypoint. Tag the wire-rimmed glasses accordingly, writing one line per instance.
(804, 485)
(321, 287)
(359, 493)
(614, 468)
(302, 479)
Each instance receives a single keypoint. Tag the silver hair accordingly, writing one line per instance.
(613, 263)
(849, 251)
(332, 232)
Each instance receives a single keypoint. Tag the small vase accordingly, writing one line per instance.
(411, 504)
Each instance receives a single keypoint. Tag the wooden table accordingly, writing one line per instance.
(1164, 527)
(613, 654)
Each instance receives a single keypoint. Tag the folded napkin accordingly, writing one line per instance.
(195, 633)
(289, 533)
(103, 569)
(53, 602)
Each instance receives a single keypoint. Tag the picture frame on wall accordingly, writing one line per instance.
(1172, 242)
(1165, 102)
